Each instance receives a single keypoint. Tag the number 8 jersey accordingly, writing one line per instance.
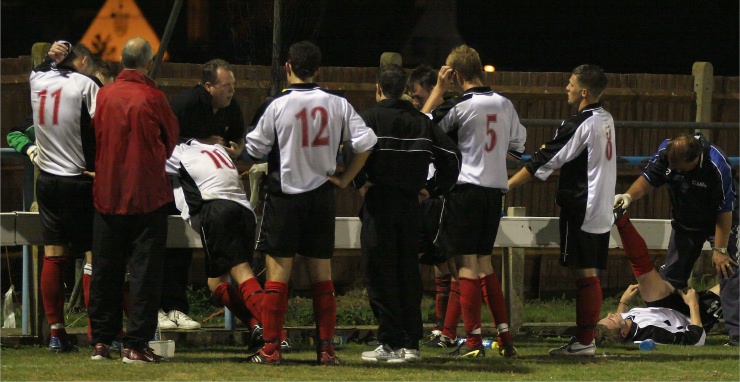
(63, 103)
(300, 130)
(584, 151)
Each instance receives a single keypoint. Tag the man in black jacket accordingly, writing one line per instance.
(396, 179)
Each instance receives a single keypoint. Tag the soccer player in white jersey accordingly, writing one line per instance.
(488, 133)
(212, 199)
(63, 100)
(671, 316)
(300, 131)
(584, 150)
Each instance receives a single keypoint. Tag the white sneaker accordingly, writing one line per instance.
(411, 354)
(182, 320)
(575, 348)
(384, 353)
(164, 322)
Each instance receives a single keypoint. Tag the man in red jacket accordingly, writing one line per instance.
(135, 131)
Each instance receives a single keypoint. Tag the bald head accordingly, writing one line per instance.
(137, 54)
(683, 152)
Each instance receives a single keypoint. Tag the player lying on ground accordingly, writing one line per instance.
(672, 316)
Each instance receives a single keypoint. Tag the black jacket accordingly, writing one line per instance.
(408, 141)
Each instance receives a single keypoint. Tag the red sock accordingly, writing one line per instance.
(230, 297)
(441, 299)
(588, 308)
(470, 303)
(634, 247)
(497, 306)
(452, 316)
(274, 305)
(325, 313)
(86, 278)
(252, 294)
(52, 288)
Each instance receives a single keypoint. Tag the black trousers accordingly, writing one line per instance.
(176, 268)
(390, 247)
(139, 242)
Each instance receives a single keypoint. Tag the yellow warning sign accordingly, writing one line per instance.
(116, 23)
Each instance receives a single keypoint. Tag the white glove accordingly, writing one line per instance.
(622, 201)
(33, 153)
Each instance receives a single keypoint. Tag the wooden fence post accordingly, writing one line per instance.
(512, 278)
(703, 73)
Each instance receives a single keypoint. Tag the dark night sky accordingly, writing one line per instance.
(627, 36)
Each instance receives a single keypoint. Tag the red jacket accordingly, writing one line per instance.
(135, 133)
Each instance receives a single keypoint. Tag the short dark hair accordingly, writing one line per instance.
(392, 80)
(592, 78)
(423, 75)
(104, 68)
(209, 73)
(684, 148)
(78, 51)
(304, 58)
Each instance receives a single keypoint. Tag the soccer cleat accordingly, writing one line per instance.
(440, 341)
(260, 357)
(285, 345)
(256, 341)
(101, 352)
(325, 359)
(507, 351)
(732, 341)
(56, 345)
(133, 356)
(164, 322)
(575, 348)
(384, 353)
(182, 320)
(463, 351)
(618, 214)
(411, 354)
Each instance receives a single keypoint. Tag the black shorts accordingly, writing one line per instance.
(227, 232)
(710, 308)
(430, 225)
(66, 210)
(300, 223)
(580, 249)
(470, 221)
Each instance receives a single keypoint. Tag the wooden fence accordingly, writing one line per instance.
(629, 97)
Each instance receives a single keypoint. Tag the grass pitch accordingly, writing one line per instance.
(712, 362)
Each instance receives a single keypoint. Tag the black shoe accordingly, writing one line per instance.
(101, 352)
(507, 351)
(440, 341)
(256, 341)
(618, 213)
(732, 341)
(463, 351)
(143, 356)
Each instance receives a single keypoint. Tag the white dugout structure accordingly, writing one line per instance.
(516, 232)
